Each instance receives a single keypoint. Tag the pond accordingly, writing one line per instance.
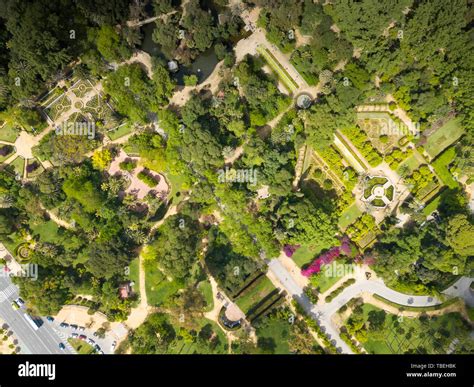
(202, 66)
(148, 45)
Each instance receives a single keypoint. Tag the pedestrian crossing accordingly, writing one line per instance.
(6, 293)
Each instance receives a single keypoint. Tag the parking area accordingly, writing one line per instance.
(102, 345)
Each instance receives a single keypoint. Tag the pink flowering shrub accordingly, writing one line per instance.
(289, 250)
(328, 257)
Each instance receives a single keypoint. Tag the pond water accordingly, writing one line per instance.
(202, 66)
(148, 45)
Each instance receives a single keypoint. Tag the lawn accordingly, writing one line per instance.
(444, 137)
(441, 165)
(410, 164)
(401, 335)
(206, 290)
(134, 275)
(182, 347)
(7, 156)
(18, 166)
(178, 185)
(306, 253)
(121, 131)
(81, 347)
(8, 133)
(287, 80)
(158, 287)
(48, 231)
(255, 294)
(12, 241)
(432, 205)
(322, 282)
(349, 216)
(276, 330)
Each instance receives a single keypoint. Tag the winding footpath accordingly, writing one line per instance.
(323, 312)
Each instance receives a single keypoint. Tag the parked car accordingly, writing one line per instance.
(82, 329)
(74, 335)
(112, 347)
(64, 325)
(62, 346)
(20, 302)
(15, 305)
(97, 347)
(82, 337)
(100, 352)
(74, 326)
(91, 342)
(50, 319)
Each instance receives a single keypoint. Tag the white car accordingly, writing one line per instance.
(20, 302)
(112, 347)
(91, 342)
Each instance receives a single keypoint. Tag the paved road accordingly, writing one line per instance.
(297, 293)
(462, 288)
(375, 286)
(45, 340)
(323, 312)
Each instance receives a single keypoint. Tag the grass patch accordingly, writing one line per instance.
(81, 347)
(285, 77)
(134, 274)
(349, 216)
(178, 185)
(277, 331)
(432, 205)
(322, 282)
(306, 253)
(206, 290)
(118, 132)
(158, 287)
(9, 133)
(414, 335)
(12, 242)
(255, 294)
(409, 165)
(47, 231)
(18, 166)
(444, 137)
(349, 149)
(441, 166)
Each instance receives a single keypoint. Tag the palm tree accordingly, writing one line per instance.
(6, 201)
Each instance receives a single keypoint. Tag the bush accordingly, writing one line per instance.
(128, 165)
(327, 184)
(150, 181)
(190, 80)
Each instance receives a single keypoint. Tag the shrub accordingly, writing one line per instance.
(150, 181)
(128, 165)
(190, 80)
(327, 184)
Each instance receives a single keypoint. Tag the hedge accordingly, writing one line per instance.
(340, 289)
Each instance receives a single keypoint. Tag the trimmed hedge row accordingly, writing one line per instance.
(340, 289)
(247, 286)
